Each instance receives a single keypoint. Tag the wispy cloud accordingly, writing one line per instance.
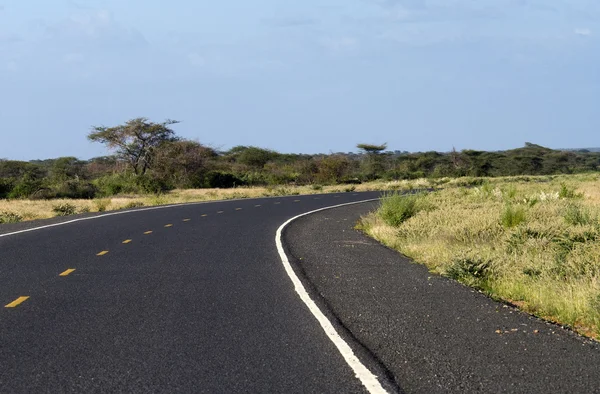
(583, 32)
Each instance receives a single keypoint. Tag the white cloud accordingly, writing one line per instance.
(583, 32)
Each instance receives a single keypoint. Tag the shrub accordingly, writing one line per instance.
(6, 187)
(467, 269)
(222, 180)
(65, 209)
(317, 187)
(10, 217)
(350, 189)
(85, 209)
(25, 187)
(512, 216)
(133, 204)
(102, 205)
(397, 208)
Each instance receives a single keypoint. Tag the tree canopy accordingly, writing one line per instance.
(135, 141)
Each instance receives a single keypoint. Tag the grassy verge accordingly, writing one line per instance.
(531, 241)
(12, 211)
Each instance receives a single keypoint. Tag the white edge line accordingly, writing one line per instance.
(149, 209)
(366, 377)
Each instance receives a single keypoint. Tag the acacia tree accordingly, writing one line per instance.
(374, 163)
(135, 141)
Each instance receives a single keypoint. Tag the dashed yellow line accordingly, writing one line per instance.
(102, 253)
(220, 211)
(148, 233)
(127, 241)
(187, 220)
(168, 225)
(205, 215)
(296, 200)
(67, 272)
(256, 206)
(238, 209)
(17, 302)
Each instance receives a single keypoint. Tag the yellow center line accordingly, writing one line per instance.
(238, 209)
(148, 233)
(220, 211)
(68, 272)
(127, 241)
(187, 220)
(205, 215)
(102, 253)
(256, 206)
(17, 302)
(168, 225)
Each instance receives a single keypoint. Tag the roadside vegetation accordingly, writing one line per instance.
(150, 165)
(530, 241)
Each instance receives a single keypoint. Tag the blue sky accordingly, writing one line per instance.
(308, 76)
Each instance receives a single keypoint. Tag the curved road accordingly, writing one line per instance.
(182, 299)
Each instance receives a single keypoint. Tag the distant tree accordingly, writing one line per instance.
(135, 141)
(183, 163)
(252, 156)
(374, 165)
(372, 149)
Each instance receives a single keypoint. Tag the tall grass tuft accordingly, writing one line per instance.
(512, 216)
(396, 208)
(577, 216)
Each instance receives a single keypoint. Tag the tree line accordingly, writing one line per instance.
(149, 157)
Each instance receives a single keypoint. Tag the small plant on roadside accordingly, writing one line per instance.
(10, 217)
(317, 187)
(512, 216)
(350, 189)
(85, 209)
(133, 204)
(469, 270)
(102, 205)
(397, 208)
(65, 209)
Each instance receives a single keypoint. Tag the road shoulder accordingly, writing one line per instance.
(432, 334)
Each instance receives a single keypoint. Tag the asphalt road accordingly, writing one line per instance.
(433, 334)
(182, 299)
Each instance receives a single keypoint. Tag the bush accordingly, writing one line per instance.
(64, 209)
(397, 208)
(133, 204)
(6, 187)
(25, 187)
(469, 270)
(102, 205)
(317, 187)
(222, 180)
(512, 216)
(10, 217)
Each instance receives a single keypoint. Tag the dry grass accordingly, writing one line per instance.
(546, 261)
(43, 209)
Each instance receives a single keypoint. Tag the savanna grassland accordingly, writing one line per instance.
(530, 241)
